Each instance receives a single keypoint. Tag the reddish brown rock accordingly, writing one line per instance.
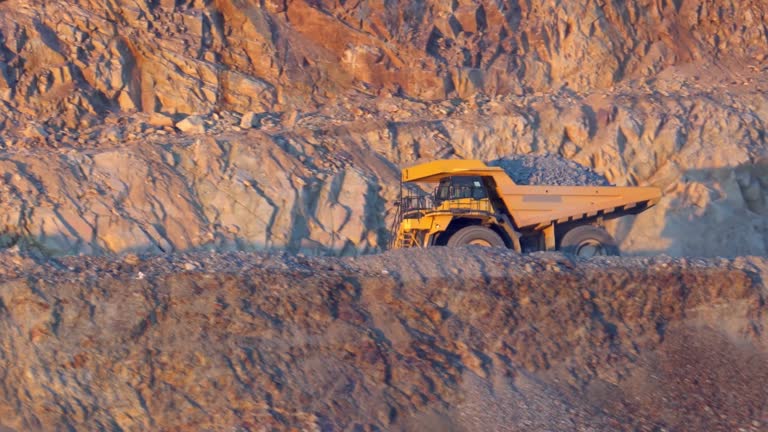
(396, 341)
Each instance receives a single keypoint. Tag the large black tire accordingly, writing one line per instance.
(588, 241)
(476, 235)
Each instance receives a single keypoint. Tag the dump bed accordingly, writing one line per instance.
(539, 206)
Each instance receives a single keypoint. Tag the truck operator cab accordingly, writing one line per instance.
(459, 187)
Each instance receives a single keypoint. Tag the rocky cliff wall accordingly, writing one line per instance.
(174, 125)
(196, 56)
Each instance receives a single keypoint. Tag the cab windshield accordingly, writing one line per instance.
(452, 188)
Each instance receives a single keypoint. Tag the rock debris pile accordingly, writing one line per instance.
(548, 170)
(439, 339)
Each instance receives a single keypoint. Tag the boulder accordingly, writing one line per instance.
(250, 120)
(160, 120)
(192, 125)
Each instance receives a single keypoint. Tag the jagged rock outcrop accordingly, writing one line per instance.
(234, 192)
(427, 340)
(325, 186)
(199, 55)
(325, 100)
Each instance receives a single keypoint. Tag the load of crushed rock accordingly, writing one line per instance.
(548, 169)
(422, 340)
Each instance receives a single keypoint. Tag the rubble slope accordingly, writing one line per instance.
(440, 339)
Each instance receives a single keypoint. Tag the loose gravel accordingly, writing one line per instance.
(548, 169)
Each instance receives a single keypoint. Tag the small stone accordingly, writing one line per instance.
(211, 56)
(160, 120)
(191, 125)
(35, 131)
(113, 135)
(250, 120)
(126, 102)
(170, 158)
(269, 122)
(131, 259)
(291, 118)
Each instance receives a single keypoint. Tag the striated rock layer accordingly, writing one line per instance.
(442, 339)
(168, 125)
(194, 56)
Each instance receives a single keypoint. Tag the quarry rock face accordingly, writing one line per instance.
(136, 125)
(169, 140)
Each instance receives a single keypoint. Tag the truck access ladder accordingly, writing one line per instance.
(406, 239)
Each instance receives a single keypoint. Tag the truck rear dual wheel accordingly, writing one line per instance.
(589, 241)
(476, 235)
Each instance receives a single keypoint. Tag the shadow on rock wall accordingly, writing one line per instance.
(708, 212)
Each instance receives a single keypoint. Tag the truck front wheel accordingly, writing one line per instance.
(476, 235)
(588, 241)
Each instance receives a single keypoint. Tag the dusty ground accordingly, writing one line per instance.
(441, 339)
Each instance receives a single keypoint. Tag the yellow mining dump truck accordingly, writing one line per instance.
(477, 204)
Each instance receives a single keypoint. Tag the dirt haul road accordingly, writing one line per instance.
(440, 339)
